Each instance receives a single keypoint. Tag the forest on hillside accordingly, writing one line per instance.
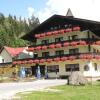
(13, 28)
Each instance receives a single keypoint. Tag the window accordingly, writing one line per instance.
(73, 51)
(95, 66)
(71, 67)
(2, 60)
(94, 50)
(45, 54)
(53, 68)
(97, 51)
(69, 38)
(60, 52)
(59, 39)
(93, 37)
(86, 68)
(44, 42)
(74, 37)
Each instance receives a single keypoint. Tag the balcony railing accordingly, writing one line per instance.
(87, 40)
(76, 55)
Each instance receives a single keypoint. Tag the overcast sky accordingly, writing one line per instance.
(43, 9)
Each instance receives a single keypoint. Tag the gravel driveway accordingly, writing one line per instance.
(7, 90)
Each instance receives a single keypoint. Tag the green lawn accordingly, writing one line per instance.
(88, 92)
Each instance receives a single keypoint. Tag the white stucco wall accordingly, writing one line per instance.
(1, 59)
(6, 56)
(92, 72)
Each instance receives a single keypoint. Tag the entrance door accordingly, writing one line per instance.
(42, 70)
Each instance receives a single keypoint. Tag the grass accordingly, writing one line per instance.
(88, 92)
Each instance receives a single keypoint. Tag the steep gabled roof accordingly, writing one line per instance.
(57, 20)
(14, 51)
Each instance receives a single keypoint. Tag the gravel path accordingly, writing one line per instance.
(7, 90)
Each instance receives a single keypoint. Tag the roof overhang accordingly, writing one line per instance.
(57, 20)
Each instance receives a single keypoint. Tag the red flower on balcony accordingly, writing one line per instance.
(52, 46)
(71, 58)
(44, 47)
(36, 61)
(89, 56)
(49, 60)
(42, 60)
(61, 31)
(68, 30)
(22, 62)
(97, 57)
(30, 61)
(57, 59)
(48, 33)
(55, 32)
(86, 56)
(66, 44)
(38, 48)
(25, 62)
(82, 42)
(14, 62)
(97, 42)
(77, 28)
(81, 56)
(42, 35)
(30, 49)
(73, 43)
(37, 35)
(19, 62)
(64, 58)
(58, 45)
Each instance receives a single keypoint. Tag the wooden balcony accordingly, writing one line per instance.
(87, 40)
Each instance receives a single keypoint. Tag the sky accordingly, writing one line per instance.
(43, 9)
